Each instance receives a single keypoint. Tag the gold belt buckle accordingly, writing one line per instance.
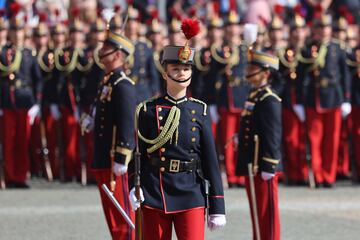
(174, 165)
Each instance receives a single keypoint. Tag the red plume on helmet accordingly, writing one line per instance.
(14, 9)
(298, 10)
(233, 6)
(190, 27)
(344, 12)
(192, 11)
(318, 11)
(42, 17)
(130, 2)
(117, 8)
(75, 12)
(2, 12)
(278, 9)
(154, 14)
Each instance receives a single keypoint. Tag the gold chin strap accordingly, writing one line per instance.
(166, 134)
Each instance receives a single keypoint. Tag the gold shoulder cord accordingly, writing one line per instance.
(201, 102)
(232, 60)
(270, 93)
(286, 63)
(171, 125)
(41, 63)
(319, 61)
(156, 57)
(15, 65)
(68, 67)
(199, 66)
(97, 59)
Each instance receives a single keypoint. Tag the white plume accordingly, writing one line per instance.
(250, 33)
(107, 14)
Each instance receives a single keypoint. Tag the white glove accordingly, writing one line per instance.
(135, 204)
(86, 123)
(55, 112)
(214, 113)
(300, 112)
(267, 176)
(1, 112)
(119, 169)
(216, 221)
(34, 112)
(345, 109)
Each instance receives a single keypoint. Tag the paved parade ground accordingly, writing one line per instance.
(69, 211)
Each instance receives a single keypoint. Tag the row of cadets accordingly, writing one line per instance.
(20, 90)
(325, 82)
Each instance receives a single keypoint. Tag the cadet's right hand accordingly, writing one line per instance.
(135, 204)
(55, 112)
(300, 112)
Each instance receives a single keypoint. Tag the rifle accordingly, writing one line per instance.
(138, 212)
(83, 158)
(308, 158)
(112, 159)
(60, 150)
(2, 175)
(252, 171)
(45, 152)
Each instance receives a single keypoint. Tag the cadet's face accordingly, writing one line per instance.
(59, 38)
(256, 75)
(178, 72)
(42, 40)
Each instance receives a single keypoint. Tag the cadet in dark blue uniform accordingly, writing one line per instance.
(20, 94)
(114, 130)
(178, 155)
(141, 67)
(228, 69)
(260, 144)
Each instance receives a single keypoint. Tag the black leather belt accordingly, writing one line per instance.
(173, 165)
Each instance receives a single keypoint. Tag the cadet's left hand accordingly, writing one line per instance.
(345, 109)
(86, 123)
(33, 112)
(119, 169)
(216, 221)
(267, 176)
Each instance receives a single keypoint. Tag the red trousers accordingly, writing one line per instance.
(118, 227)
(324, 135)
(294, 147)
(15, 129)
(229, 126)
(70, 141)
(267, 205)
(355, 116)
(189, 225)
(343, 168)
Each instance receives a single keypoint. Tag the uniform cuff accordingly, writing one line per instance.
(217, 205)
(268, 164)
(123, 155)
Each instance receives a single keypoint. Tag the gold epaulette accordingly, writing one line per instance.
(200, 102)
(268, 93)
(124, 77)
